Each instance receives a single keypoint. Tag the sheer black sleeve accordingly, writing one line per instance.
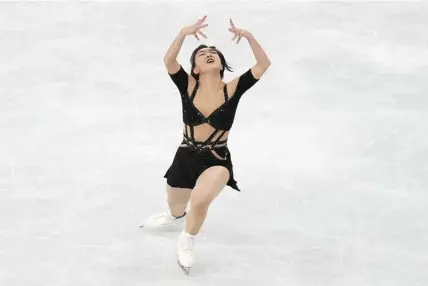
(180, 79)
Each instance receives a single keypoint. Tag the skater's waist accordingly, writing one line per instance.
(203, 145)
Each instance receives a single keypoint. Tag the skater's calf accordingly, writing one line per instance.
(209, 185)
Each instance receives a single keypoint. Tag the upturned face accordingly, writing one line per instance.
(207, 59)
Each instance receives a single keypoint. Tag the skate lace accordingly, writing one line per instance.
(188, 243)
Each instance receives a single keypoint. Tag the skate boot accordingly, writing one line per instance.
(164, 222)
(185, 249)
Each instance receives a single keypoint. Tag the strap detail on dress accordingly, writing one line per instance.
(195, 89)
(226, 96)
(218, 138)
(208, 143)
(192, 134)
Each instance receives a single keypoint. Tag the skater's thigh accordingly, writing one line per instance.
(178, 195)
(209, 184)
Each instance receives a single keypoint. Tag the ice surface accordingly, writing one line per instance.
(334, 192)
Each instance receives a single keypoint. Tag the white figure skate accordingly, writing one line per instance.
(164, 222)
(185, 249)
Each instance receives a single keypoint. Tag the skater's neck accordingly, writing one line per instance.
(210, 81)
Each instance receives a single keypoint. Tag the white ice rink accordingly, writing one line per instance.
(334, 190)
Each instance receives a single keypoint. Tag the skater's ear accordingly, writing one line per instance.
(195, 71)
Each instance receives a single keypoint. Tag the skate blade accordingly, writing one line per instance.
(176, 229)
(186, 270)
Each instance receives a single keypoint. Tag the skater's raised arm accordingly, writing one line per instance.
(262, 60)
(170, 58)
(244, 82)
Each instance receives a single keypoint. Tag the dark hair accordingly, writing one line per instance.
(222, 59)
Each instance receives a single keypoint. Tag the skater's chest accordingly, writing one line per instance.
(215, 111)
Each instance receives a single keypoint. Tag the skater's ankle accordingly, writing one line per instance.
(180, 216)
(189, 233)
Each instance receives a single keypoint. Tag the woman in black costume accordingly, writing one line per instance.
(202, 165)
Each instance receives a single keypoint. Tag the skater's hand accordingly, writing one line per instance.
(195, 28)
(238, 32)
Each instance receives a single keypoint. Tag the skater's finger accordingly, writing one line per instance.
(239, 39)
(233, 32)
(231, 23)
(201, 20)
(202, 34)
(202, 26)
(196, 36)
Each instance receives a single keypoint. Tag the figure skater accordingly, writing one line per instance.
(202, 165)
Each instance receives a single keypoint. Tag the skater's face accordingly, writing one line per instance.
(206, 60)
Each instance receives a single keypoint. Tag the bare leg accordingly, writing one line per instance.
(209, 185)
(177, 200)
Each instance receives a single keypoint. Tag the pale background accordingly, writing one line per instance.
(330, 148)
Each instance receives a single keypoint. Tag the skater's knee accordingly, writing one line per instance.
(201, 201)
(176, 205)
(203, 195)
(178, 196)
(177, 209)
